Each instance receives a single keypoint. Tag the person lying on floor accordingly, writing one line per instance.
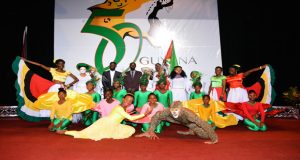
(180, 115)
(110, 126)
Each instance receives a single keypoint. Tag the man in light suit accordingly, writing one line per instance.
(131, 80)
(109, 76)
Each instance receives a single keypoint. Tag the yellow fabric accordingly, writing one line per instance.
(59, 76)
(108, 127)
(62, 110)
(28, 103)
(210, 113)
(80, 102)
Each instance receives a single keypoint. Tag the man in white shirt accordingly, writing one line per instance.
(109, 76)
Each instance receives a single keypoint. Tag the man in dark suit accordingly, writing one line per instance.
(131, 80)
(109, 76)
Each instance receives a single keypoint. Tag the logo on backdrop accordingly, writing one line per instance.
(108, 20)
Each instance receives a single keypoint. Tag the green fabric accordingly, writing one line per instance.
(195, 95)
(20, 99)
(217, 81)
(253, 126)
(140, 98)
(211, 122)
(273, 77)
(119, 95)
(166, 99)
(60, 124)
(129, 123)
(96, 97)
(144, 79)
(158, 129)
(89, 117)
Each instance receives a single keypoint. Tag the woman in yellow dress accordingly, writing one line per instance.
(110, 126)
(208, 110)
(61, 113)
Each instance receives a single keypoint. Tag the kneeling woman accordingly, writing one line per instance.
(110, 126)
(251, 110)
(62, 111)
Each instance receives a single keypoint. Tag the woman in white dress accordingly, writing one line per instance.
(83, 77)
(179, 84)
(80, 86)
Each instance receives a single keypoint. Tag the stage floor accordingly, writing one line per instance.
(27, 140)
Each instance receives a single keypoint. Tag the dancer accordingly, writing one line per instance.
(218, 85)
(252, 111)
(237, 92)
(98, 78)
(150, 109)
(59, 75)
(209, 111)
(119, 93)
(83, 77)
(179, 84)
(159, 71)
(141, 96)
(195, 78)
(106, 105)
(197, 93)
(179, 115)
(34, 100)
(110, 127)
(89, 116)
(164, 96)
(61, 113)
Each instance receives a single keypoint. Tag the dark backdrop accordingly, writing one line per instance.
(252, 33)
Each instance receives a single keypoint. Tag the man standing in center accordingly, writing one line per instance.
(132, 77)
(109, 76)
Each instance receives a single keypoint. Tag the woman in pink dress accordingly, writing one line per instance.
(105, 106)
(149, 110)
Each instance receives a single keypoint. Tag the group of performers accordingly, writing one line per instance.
(114, 111)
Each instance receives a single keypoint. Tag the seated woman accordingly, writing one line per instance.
(110, 126)
(89, 116)
(106, 105)
(251, 110)
(149, 109)
(61, 113)
(208, 109)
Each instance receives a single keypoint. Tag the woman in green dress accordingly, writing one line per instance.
(197, 93)
(89, 116)
(141, 96)
(119, 93)
(164, 96)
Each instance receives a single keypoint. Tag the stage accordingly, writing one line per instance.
(26, 140)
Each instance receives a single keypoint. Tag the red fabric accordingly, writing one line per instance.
(235, 81)
(219, 92)
(31, 141)
(39, 85)
(256, 87)
(252, 110)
